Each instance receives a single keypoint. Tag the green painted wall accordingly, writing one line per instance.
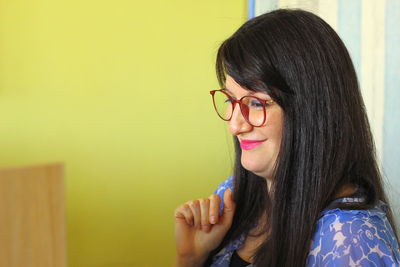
(118, 91)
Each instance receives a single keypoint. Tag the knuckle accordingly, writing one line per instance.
(192, 203)
(179, 209)
(214, 197)
(204, 201)
(176, 213)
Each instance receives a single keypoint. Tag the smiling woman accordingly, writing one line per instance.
(306, 189)
(260, 145)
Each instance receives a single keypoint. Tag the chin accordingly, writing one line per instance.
(252, 166)
(255, 167)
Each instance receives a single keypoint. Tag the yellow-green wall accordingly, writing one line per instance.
(118, 91)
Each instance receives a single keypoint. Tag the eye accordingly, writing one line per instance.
(228, 100)
(255, 104)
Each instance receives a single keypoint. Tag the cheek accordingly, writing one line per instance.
(261, 161)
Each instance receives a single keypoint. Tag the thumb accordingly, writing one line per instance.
(229, 207)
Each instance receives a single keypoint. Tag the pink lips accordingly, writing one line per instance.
(250, 144)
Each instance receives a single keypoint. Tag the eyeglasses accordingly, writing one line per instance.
(252, 108)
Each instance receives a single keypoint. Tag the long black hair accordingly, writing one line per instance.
(301, 62)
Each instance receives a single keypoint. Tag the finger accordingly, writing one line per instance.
(214, 208)
(229, 207)
(184, 212)
(195, 208)
(204, 210)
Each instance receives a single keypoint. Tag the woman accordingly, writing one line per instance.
(306, 189)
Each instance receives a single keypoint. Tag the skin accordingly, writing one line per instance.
(260, 160)
(198, 229)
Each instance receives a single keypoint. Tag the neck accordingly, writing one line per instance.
(268, 184)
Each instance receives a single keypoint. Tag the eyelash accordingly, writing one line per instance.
(267, 103)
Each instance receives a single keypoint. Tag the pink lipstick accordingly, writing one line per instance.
(250, 144)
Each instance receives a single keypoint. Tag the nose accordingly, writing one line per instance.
(238, 125)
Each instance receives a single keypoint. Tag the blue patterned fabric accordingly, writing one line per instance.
(342, 237)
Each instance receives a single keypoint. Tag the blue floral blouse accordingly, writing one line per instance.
(342, 238)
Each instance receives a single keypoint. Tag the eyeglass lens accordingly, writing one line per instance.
(253, 110)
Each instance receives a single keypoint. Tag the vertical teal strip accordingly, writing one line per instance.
(391, 122)
(349, 28)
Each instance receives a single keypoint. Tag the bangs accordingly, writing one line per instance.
(234, 60)
(246, 57)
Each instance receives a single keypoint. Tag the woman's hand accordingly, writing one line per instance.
(199, 229)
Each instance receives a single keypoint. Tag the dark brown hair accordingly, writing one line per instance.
(301, 62)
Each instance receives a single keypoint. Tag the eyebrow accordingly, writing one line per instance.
(250, 92)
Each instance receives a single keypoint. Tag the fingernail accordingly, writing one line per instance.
(213, 219)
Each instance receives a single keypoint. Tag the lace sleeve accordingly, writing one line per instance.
(227, 184)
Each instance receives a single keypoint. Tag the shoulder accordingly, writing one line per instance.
(225, 185)
(354, 238)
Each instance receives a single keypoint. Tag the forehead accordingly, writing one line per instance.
(230, 83)
(234, 88)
